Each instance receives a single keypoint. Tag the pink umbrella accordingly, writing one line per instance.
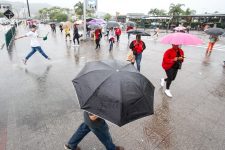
(180, 28)
(181, 39)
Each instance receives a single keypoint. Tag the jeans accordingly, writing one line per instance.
(138, 61)
(171, 75)
(118, 37)
(110, 44)
(34, 49)
(101, 131)
(74, 38)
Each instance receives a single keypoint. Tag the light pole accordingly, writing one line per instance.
(84, 16)
(28, 8)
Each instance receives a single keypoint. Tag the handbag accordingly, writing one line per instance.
(131, 57)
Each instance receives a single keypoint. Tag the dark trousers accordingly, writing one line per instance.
(118, 38)
(74, 38)
(101, 131)
(97, 41)
(34, 49)
(171, 75)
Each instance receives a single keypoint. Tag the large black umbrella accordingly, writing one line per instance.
(112, 24)
(131, 23)
(140, 32)
(215, 31)
(114, 90)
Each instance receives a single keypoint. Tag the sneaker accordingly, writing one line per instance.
(119, 148)
(49, 58)
(25, 61)
(66, 146)
(162, 82)
(168, 93)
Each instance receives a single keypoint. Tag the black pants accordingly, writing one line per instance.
(118, 38)
(171, 75)
(97, 41)
(74, 38)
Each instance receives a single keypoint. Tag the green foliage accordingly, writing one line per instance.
(54, 13)
(157, 12)
(59, 17)
(189, 11)
(78, 8)
(1, 15)
(176, 9)
(107, 17)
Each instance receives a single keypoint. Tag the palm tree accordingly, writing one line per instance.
(157, 12)
(78, 7)
(189, 12)
(175, 9)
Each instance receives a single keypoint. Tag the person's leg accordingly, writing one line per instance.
(42, 52)
(74, 40)
(96, 41)
(138, 61)
(169, 78)
(81, 132)
(128, 36)
(102, 132)
(31, 53)
(78, 41)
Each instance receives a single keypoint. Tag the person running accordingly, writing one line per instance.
(172, 62)
(98, 36)
(99, 127)
(137, 46)
(35, 45)
(212, 40)
(61, 27)
(76, 35)
(67, 32)
(118, 33)
(111, 38)
(128, 29)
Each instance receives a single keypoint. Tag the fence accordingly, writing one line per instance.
(9, 36)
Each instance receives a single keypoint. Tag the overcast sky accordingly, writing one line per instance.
(142, 6)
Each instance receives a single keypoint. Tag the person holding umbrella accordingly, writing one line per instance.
(118, 33)
(128, 29)
(172, 61)
(67, 32)
(98, 126)
(35, 45)
(111, 38)
(138, 46)
(98, 36)
(76, 35)
(212, 40)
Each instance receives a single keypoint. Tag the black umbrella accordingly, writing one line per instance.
(114, 90)
(215, 31)
(140, 32)
(112, 24)
(130, 23)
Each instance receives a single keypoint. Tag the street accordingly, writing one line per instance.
(39, 109)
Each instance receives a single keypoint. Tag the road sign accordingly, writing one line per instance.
(9, 14)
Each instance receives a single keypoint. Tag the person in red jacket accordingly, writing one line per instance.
(138, 46)
(98, 36)
(118, 33)
(172, 61)
(128, 29)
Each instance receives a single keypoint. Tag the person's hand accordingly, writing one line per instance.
(180, 58)
(175, 59)
(93, 117)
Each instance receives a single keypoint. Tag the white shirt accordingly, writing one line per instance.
(34, 39)
(111, 34)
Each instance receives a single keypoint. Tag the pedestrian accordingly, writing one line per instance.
(35, 45)
(172, 62)
(67, 32)
(111, 38)
(61, 27)
(212, 40)
(98, 36)
(129, 28)
(76, 35)
(53, 27)
(107, 32)
(137, 46)
(156, 32)
(118, 33)
(98, 126)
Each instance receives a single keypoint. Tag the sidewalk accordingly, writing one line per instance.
(39, 109)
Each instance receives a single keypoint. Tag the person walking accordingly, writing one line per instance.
(172, 62)
(67, 32)
(212, 40)
(35, 45)
(128, 29)
(76, 35)
(61, 27)
(98, 126)
(118, 33)
(98, 36)
(137, 46)
(111, 38)
(156, 32)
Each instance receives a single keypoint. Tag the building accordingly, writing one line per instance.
(4, 7)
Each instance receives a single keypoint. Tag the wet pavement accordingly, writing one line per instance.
(39, 109)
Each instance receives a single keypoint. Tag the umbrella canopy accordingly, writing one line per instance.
(181, 39)
(140, 32)
(97, 21)
(180, 28)
(114, 90)
(131, 23)
(112, 24)
(78, 22)
(94, 26)
(215, 31)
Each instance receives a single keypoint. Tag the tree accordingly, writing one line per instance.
(1, 15)
(54, 13)
(157, 12)
(175, 9)
(78, 8)
(216, 12)
(189, 12)
(60, 17)
(107, 17)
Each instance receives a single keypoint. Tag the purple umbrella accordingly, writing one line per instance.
(96, 21)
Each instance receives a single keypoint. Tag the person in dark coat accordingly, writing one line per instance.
(76, 35)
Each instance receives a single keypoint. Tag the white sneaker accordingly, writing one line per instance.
(168, 93)
(162, 82)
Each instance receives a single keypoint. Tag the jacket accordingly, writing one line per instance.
(168, 58)
(118, 31)
(137, 48)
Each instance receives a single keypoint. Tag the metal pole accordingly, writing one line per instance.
(84, 16)
(28, 7)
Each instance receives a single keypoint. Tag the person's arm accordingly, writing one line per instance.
(20, 37)
(93, 117)
(144, 47)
